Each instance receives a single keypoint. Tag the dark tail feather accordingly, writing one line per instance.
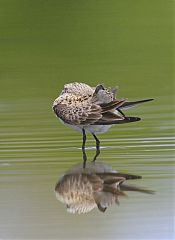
(128, 176)
(124, 187)
(126, 104)
(125, 120)
(112, 177)
(117, 174)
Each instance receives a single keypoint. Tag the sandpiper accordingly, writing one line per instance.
(92, 109)
(96, 186)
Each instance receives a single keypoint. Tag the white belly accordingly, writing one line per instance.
(97, 128)
(89, 128)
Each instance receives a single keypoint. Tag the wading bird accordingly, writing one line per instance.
(92, 109)
(96, 186)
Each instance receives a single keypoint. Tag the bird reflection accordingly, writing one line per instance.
(85, 156)
(95, 185)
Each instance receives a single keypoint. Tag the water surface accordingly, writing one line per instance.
(47, 44)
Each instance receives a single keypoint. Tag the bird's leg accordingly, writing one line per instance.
(97, 147)
(83, 148)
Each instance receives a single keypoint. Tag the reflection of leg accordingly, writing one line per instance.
(83, 148)
(97, 147)
(84, 158)
(84, 139)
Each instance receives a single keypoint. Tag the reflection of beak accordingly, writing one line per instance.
(102, 209)
(97, 185)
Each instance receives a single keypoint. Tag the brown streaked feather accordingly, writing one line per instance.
(92, 116)
(112, 105)
(79, 104)
(78, 115)
(63, 112)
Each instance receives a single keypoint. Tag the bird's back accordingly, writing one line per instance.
(80, 104)
(77, 89)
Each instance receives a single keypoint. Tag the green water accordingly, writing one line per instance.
(45, 44)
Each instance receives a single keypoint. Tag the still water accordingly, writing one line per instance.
(47, 44)
(36, 150)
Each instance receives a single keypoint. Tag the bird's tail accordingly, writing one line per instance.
(127, 104)
(124, 187)
(118, 121)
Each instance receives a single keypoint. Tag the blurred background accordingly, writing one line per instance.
(45, 44)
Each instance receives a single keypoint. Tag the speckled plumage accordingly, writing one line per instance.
(78, 104)
(91, 109)
(98, 185)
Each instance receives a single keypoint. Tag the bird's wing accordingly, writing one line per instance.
(102, 114)
(78, 114)
(92, 114)
(109, 116)
(115, 104)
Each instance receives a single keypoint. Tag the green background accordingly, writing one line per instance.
(45, 44)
